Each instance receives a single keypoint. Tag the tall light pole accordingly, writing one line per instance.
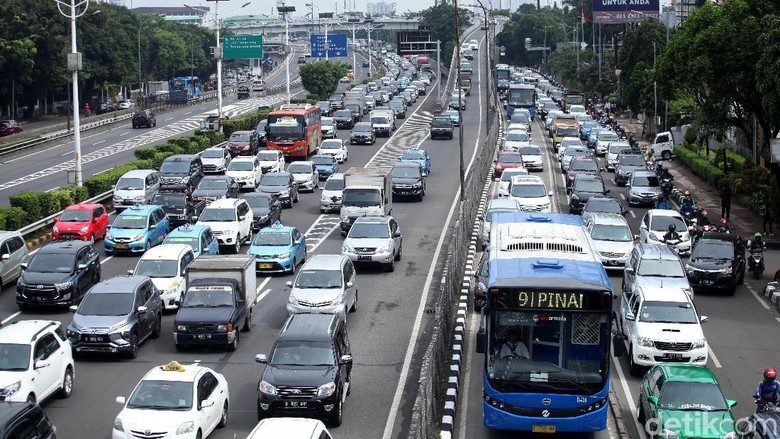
(326, 15)
(369, 28)
(140, 79)
(284, 10)
(354, 22)
(460, 106)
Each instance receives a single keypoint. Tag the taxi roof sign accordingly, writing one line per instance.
(277, 225)
(173, 366)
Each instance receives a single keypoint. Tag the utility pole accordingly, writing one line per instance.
(326, 16)
(655, 96)
(284, 10)
(460, 104)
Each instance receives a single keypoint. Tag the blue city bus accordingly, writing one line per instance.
(184, 88)
(503, 77)
(548, 290)
(521, 95)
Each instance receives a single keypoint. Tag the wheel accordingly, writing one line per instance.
(97, 275)
(74, 300)
(295, 200)
(233, 346)
(666, 155)
(148, 245)
(237, 249)
(633, 368)
(67, 384)
(305, 255)
(337, 416)
(741, 278)
(248, 321)
(354, 304)
(91, 238)
(224, 418)
(640, 413)
(756, 273)
(398, 256)
(133, 346)
(391, 266)
(199, 435)
(31, 398)
(157, 327)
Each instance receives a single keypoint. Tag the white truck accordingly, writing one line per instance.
(367, 192)
(383, 122)
(220, 299)
(663, 145)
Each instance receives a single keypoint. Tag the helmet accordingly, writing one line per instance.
(660, 163)
(704, 212)
(770, 373)
(723, 221)
(687, 193)
(672, 227)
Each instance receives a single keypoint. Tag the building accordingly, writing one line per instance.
(112, 2)
(684, 8)
(173, 13)
(380, 9)
(249, 20)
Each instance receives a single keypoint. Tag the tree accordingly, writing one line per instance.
(540, 26)
(321, 78)
(441, 20)
(641, 48)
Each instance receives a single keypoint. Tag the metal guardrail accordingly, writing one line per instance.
(453, 73)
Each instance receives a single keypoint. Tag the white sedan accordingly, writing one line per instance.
(335, 147)
(246, 170)
(173, 400)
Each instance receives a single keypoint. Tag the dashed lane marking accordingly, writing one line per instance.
(758, 298)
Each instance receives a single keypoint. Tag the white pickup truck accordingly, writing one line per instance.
(663, 146)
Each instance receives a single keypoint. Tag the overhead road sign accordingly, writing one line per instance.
(336, 46)
(242, 46)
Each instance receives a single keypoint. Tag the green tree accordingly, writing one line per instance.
(321, 78)
(641, 47)
(441, 20)
(541, 26)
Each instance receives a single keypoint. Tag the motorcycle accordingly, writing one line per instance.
(756, 263)
(666, 186)
(672, 243)
(766, 406)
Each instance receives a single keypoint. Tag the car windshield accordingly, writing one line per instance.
(161, 395)
(364, 230)
(645, 180)
(299, 169)
(213, 153)
(683, 395)
(405, 172)
(318, 279)
(241, 165)
(615, 148)
(258, 202)
(208, 297)
(175, 167)
(337, 145)
(217, 215)
(517, 136)
(584, 165)
(414, 155)
(660, 223)
(326, 121)
(75, 216)
(236, 137)
(275, 180)
(130, 221)
(267, 156)
(169, 200)
(667, 312)
(594, 186)
(607, 205)
(106, 304)
(188, 240)
(609, 232)
(576, 151)
(607, 136)
(343, 114)
(528, 191)
(519, 117)
(303, 353)
(633, 160)
(510, 158)
(660, 268)
(272, 239)
(565, 130)
(362, 127)
(129, 184)
(213, 183)
(713, 249)
(14, 357)
(157, 268)
(334, 184)
(328, 160)
(441, 122)
(529, 150)
(507, 175)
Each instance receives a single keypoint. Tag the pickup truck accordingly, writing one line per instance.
(663, 146)
(219, 301)
(179, 206)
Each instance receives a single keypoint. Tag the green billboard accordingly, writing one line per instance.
(242, 46)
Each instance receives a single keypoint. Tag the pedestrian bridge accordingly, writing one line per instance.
(305, 28)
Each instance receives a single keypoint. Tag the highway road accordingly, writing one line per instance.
(385, 332)
(741, 331)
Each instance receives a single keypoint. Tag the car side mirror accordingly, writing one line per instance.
(5, 257)
(731, 402)
(704, 319)
(23, 265)
(130, 272)
(261, 358)
(73, 308)
(206, 403)
(141, 309)
(629, 270)
(652, 400)
(121, 400)
(550, 194)
(396, 234)
(350, 284)
(152, 227)
(82, 267)
(607, 191)
(288, 284)
(630, 317)
(40, 364)
(194, 218)
(345, 359)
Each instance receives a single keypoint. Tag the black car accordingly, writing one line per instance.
(181, 172)
(180, 207)
(309, 370)
(362, 133)
(24, 420)
(243, 92)
(584, 187)
(717, 263)
(765, 426)
(58, 274)
(282, 185)
(408, 180)
(441, 126)
(325, 108)
(398, 107)
(144, 118)
(214, 187)
(266, 209)
(261, 133)
(365, 63)
(343, 119)
(626, 164)
(601, 204)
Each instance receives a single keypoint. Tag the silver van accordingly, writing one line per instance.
(325, 284)
(13, 251)
(136, 187)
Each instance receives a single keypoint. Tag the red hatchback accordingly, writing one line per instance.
(581, 165)
(506, 160)
(8, 127)
(84, 222)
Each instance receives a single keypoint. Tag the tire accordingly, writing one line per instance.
(336, 418)
(633, 368)
(148, 245)
(157, 328)
(224, 418)
(67, 384)
(398, 256)
(354, 304)
(199, 435)
(305, 255)
(666, 155)
(233, 346)
(133, 346)
(391, 266)
(31, 398)
(248, 321)
(641, 417)
(295, 200)
(237, 249)
(75, 299)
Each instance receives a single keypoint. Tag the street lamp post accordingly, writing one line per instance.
(140, 79)
(284, 10)
(369, 28)
(326, 15)
(460, 104)
(354, 22)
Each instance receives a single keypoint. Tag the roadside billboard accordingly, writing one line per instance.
(625, 11)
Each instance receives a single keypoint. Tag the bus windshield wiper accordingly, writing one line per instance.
(578, 385)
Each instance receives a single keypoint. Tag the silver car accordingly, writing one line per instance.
(643, 188)
(325, 284)
(613, 149)
(305, 174)
(570, 153)
(496, 205)
(374, 240)
(655, 266)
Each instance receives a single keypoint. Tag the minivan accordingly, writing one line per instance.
(136, 187)
(13, 252)
(181, 172)
(325, 284)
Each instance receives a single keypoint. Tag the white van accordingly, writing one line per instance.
(166, 265)
(136, 187)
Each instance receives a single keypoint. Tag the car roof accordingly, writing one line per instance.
(383, 219)
(83, 206)
(286, 427)
(402, 164)
(661, 294)
(527, 179)
(23, 331)
(138, 173)
(687, 373)
(588, 177)
(207, 177)
(189, 230)
(664, 212)
(242, 132)
(502, 203)
(337, 176)
(323, 261)
(582, 158)
(731, 237)
(244, 158)
(657, 251)
(165, 251)
(139, 209)
(326, 156)
(68, 247)
(225, 202)
(642, 173)
(304, 162)
(610, 219)
(174, 371)
(309, 327)
(511, 153)
(276, 227)
(9, 233)
(181, 158)
(281, 173)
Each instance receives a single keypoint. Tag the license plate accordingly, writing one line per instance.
(295, 404)
(707, 282)
(673, 356)
(543, 429)
(121, 246)
(203, 336)
(94, 339)
(264, 266)
(364, 258)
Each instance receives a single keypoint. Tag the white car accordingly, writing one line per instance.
(661, 325)
(246, 171)
(496, 205)
(271, 160)
(231, 221)
(215, 160)
(530, 193)
(532, 157)
(549, 120)
(173, 400)
(655, 224)
(519, 126)
(613, 149)
(565, 143)
(290, 428)
(602, 141)
(612, 238)
(328, 127)
(571, 152)
(166, 265)
(335, 147)
(125, 105)
(332, 193)
(474, 45)
(577, 109)
(305, 174)
(502, 183)
(515, 139)
(35, 361)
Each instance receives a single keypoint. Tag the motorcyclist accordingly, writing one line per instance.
(662, 202)
(756, 245)
(671, 233)
(666, 175)
(687, 205)
(723, 227)
(704, 219)
(768, 390)
(659, 168)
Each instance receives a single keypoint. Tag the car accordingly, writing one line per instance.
(532, 157)
(655, 265)
(602, 204)
(166, 265)
(643, 188)
(523, 127)
(243, 92)
(594, 136)
(326, 283)
(243, 143)
(366, 63)
(337, 103)
(231, 221)
(58, 274)
(199, 237)
(13, 253)
(271, 160)
(586, 127)
(577, 109)
(23, 418)
(83, 221)
(374, 240)
(398, 107)
(305, 174)
(530, 193)
(369, 102)
(655, 224)
(215, 160)
(417, 155)
(627, 163)
(549, 120)
(344, 119)
(308, 372)
(453, 115)
(717, 263)
(410, 97)
(515, 139)
(458, 97)
(181, 172)
(496, 205)
(613, 150)
(507, 160)
(343, 80)
(216, 187)
(581, 165)
(362, 133)
(326, 165)
(325, 109)
(442, 126)
(584, 187)
(565, 143)
(291, 428)
(329, 129)
(520, 117)
(612, 238)
(502, 183)
(192, 400)
(569, 153)
(278, 249)
(144, 118)
(262, 133)
(136, 187)
(685, 401)
(603, 138)
(336, 148)
(474, 45)
(180, 207)
(136, 230)
(408, 180)
(246, 171)
(9, 127)
(125, 104)
(281, 185)
(266, 209)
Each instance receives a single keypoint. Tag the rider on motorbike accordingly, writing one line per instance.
(768, 390)
(671, 234)
(687, 205)
(757, 245)
(659, 168)
(724, 226)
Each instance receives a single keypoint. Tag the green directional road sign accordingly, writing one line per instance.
(242, 46)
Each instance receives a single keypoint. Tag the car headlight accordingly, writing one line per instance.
(669, 434)
(63, 285)
(726, 270)
(118, 425)
(292, 299)
(383, 249)
(185, 180)
(139, 198)
(186, 427)
(225, 328)
(700, 343)
(181, 328)
(574, 197)
(11, 389)
(72, 333)
(645, 341)
(326, 389)
(172, 288)
(266, 388)
(283, 255)
(338, 300)
(285, 192)
(109, 236)
(137, 237)
(85, 229)
(55, 229)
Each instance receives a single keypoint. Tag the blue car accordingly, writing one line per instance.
(454, 116)
(278, 249)
(593, 137)
(417, 155)
(326, 165)
(587, 126)
(137, 229)
(198, 236)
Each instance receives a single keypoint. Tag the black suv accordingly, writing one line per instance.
(58, 274)
(408, 180)
(584, 187)
(214, 187)
(441, 126)
(144, 118)
(362, 133)
(262, 134)
(309, 371)
(25, 420)
(266, 209)
(181, 172)
(717, 262)
(180, 207)
(626, 164)
(343, 119)
(281, 185)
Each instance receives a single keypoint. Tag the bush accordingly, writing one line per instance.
(36, 204)
(97, 184)
(13, 218)
(214, 137)
(244, 123)
(701, 166)
(144, 153)
(64, 197)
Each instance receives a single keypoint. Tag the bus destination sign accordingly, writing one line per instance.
(551, 300)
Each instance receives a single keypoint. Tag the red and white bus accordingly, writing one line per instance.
(295, 130)
(423, 62)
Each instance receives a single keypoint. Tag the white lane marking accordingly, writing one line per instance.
(52, 189)
(98, 142)
(627, 392)
(9, 318)
(262, 295)
(262, 284)
(399, 390)
(100, 172)
(623, 197)
(713, 357)
(778, 319)
(103, 261)
(759, 299)
(633, 215)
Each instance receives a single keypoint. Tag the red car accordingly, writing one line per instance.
(506, 160)
(581, 165)
(84, 222)
(8, 127)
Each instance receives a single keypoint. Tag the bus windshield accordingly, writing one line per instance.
(521, 97)
(285, 128)
(502, 74)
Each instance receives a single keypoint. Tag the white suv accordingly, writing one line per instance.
(231, 221)
(530, 193)
(35, 361)
(166, 265)
(305, 173)
(271, 160)
(246, 171)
